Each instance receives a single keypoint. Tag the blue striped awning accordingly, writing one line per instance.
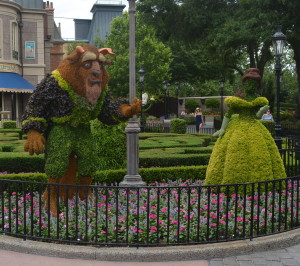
(13, 82)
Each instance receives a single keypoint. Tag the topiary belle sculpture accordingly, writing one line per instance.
(57, 118)
(245, 150)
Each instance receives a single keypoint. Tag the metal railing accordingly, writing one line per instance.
(162, 128)
(159, 214)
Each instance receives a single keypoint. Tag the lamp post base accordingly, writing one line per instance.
(132, 178)
(132, 181)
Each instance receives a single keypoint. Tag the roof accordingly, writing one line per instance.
(39, 4)
(13, 82)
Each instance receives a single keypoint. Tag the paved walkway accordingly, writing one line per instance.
(287, 256)
(279, 249)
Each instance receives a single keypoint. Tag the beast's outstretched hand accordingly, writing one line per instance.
(35, 142)
(130, 110)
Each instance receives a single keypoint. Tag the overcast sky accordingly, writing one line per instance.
(65, 11)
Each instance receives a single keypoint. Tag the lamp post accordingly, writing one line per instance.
(132, 178)
(278, 44)
(166, 88)
(222, 81)
(177, 95)
(141, 73)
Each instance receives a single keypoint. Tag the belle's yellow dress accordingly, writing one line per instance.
(247, 151)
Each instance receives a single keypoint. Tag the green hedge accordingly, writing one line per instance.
(7, 148)
(149, 175)
(21, 162)
(166, 160)
(9, 124)
(178, 126)
(178, 140)
(159, 150)
(11, 130)
(191, 105)
(212, 103)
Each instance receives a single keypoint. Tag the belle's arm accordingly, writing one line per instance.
(262, 110)
(225, 122)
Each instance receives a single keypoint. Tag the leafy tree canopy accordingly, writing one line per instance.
(151, 54)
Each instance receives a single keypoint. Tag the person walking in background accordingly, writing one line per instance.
(267, 116)
(199, 122)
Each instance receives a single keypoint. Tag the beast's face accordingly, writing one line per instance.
(84, 70)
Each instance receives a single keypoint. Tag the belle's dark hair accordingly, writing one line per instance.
(251, 73)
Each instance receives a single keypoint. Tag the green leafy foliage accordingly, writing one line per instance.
(7, 148)
(110, 142)
(150, 175)
(270, 125)
(191, 105)
(178, 126)
(212, 103)
(153, 55)
(166, 150)
(13, 162)
(9, 124)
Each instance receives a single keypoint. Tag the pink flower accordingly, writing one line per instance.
(174, 222)
(239, 219)
(213, 224)
(153, 216)
(223, 222)
(164, 210)
(153, 229)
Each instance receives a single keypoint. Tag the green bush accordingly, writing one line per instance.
(21, 162)
(191, 105)
(167, 160)
(270, 125)
(212, 103)
(149, 175)
(285, 117)
(7, 148)
(9, 124)
(179, 140)
(190, 120)
(178, 126)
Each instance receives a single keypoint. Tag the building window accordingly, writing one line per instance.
(14, 40)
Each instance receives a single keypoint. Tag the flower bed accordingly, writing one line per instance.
(160, 214)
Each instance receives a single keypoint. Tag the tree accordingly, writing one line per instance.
(151, 54)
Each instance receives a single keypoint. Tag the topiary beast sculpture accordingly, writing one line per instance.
(58, 114)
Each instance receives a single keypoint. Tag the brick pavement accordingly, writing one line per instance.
(281, 257)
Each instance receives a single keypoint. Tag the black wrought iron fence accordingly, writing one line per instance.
(291, 161)
(172, 213)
